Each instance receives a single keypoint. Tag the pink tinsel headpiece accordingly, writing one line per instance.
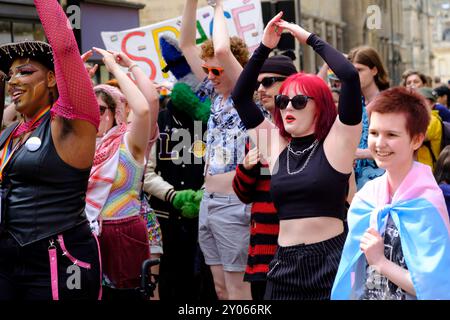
(119, 99)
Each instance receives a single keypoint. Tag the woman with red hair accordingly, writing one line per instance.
(310, 158)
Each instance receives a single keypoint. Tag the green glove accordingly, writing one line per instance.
(183, 99)
(188, 202)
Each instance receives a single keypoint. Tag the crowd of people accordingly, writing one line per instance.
(291, 186)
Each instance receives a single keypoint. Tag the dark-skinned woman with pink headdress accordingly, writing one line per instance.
(47, 250)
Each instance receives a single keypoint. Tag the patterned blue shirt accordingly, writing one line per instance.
(226, 136)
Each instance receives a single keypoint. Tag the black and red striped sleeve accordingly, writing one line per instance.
(245, 181)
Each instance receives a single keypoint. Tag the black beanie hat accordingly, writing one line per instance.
(282, 65)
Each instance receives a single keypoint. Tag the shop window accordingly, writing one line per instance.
(5, 32)
(22, 31)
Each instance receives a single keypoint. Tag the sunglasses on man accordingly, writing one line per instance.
(267, 82)
(298, 102)
(217, 71)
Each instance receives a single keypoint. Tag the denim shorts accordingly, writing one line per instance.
(224, 231)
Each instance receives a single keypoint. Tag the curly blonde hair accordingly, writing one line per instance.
(237, 46)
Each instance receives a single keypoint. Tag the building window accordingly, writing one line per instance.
(22, 31)
(5, 32)
(14, 31)
(446, 36)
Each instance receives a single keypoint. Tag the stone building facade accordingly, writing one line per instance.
(403, 37)
(441, 40)
(410, 34)
(324, 16)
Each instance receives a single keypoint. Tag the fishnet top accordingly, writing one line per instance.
(76, 96)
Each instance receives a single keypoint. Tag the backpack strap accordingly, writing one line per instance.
(428, 145)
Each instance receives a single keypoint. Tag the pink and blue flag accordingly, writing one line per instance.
(419, 212)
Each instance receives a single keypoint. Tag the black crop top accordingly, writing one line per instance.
(312, 190)
(318, 190)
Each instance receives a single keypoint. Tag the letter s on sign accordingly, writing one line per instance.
(137, 58)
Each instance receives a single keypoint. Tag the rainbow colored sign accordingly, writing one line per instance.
(244, 19)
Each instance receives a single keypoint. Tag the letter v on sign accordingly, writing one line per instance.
(202, 33)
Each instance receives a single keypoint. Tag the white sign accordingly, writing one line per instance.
(244, 19)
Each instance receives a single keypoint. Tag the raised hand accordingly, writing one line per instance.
(298, 32)
(272, 32)
(108, 59)
(122, 59)
(91, 70)
(251, 159)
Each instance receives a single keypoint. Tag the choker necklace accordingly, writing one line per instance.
(311, 148)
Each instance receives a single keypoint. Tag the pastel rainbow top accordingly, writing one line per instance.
(123, 199)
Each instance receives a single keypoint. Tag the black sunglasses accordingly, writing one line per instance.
(267, 82)
(298, 102)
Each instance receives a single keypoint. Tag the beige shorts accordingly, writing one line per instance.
(224, 231)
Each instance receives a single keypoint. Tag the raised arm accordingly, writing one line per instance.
(342, 140)
(350, 105)
(242, 95)
(76, 95)
(146, 86)
(139, 127)
(221, 41)
(188, 35)
(265, 135)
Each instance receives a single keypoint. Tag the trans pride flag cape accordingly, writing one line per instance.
(419, 212)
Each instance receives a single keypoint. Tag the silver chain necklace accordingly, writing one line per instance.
(311, 148)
